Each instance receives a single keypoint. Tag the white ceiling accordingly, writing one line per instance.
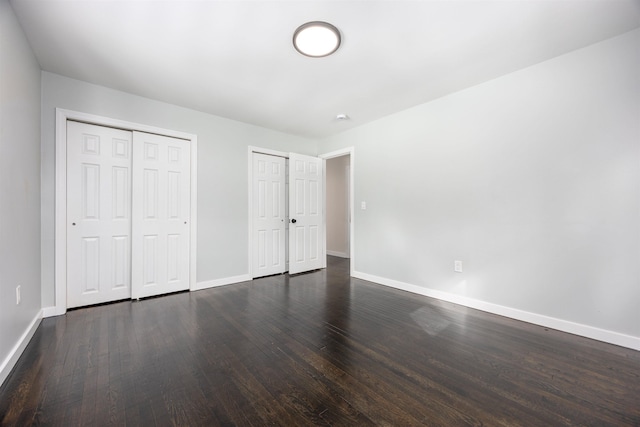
(235, 59)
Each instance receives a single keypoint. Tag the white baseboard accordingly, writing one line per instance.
(338, 254)
(603, 335)
(51, 311)
(10, 361)
(221, 282)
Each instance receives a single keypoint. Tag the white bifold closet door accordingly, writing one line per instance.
(128, 197)
(288, 214)
(269, 222)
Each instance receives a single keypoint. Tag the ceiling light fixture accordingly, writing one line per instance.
(316, 39)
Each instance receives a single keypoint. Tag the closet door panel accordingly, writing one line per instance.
(269, 215)
(161, 214)
(98, 214)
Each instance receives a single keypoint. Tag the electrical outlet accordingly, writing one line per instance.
(363, 205)
(457, 266)
(18, 295)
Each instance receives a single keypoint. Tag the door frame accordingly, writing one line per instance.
(350, 151)
(60, 237)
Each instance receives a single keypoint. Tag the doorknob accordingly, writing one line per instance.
(293, 221)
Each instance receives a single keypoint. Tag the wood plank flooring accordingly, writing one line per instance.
(314, 349)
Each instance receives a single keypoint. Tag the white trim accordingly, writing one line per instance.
(10, 361)
(62, 115)
(49, 311)
(324, 213)
(338, 254)
(222, 282)
(60, 236)
(193, 237)
(603, 335)
(337, 153)
(250, 209)
(253, 149)
(350, 151)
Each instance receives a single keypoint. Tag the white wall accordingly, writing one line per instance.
(531, 179)
(337, 206)
(222, 169)
(19, 189)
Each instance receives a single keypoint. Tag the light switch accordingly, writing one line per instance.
(363, 205)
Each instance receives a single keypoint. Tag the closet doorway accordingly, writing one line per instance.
(125, 210)
(286, 209)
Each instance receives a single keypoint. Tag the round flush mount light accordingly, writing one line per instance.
(316, 39)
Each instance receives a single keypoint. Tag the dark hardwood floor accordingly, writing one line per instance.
(314, 349)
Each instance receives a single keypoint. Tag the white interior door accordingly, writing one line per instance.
(269, 215)
(98, 214)
(306, 198)
(160, 214)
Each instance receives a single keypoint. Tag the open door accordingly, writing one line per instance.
(306, 197)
